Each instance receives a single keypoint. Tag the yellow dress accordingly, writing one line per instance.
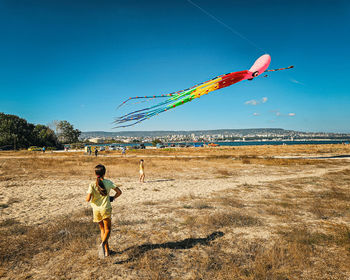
(142, 170)
(101, 205)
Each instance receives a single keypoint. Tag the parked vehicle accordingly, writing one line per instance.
(213, 145)
(34, 148)
(198, 145)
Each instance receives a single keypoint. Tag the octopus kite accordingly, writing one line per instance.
(181, 97)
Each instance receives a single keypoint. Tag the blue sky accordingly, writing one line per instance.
(78, 60)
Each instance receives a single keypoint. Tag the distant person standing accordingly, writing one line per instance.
(96, 152)
(142, 171)
(123, 151)
(44, 149)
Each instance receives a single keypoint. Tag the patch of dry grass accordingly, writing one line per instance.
(180, 161)
(20, 244)
(228, 219)
(286, 229)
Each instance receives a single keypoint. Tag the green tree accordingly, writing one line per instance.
(156, 141)
(45, 136)
(15, 132)
(67, 133)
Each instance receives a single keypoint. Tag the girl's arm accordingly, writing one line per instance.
(118, 192)
(88, 197)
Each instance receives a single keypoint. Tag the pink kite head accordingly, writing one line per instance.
(260, 65)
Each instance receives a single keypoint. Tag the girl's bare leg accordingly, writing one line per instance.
(143, 178)
(107, 231)
(102, 229)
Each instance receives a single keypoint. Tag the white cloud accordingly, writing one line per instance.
(252, 102)
(279, 114)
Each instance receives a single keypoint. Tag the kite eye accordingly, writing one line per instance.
(255, 74)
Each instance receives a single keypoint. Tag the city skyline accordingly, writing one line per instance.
(211, 135)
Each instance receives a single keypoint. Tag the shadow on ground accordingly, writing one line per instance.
(188, 243)
(315, 157)
(339, 156)
(160, 180)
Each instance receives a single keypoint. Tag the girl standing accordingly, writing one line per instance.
(142, 171)
(98, 196)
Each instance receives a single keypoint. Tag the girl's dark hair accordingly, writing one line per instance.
(100, 171)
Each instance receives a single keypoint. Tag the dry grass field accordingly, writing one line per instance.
(255, 212)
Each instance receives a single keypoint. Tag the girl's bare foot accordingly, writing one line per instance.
(101, 251)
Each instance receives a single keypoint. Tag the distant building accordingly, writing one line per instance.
(96, 140)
